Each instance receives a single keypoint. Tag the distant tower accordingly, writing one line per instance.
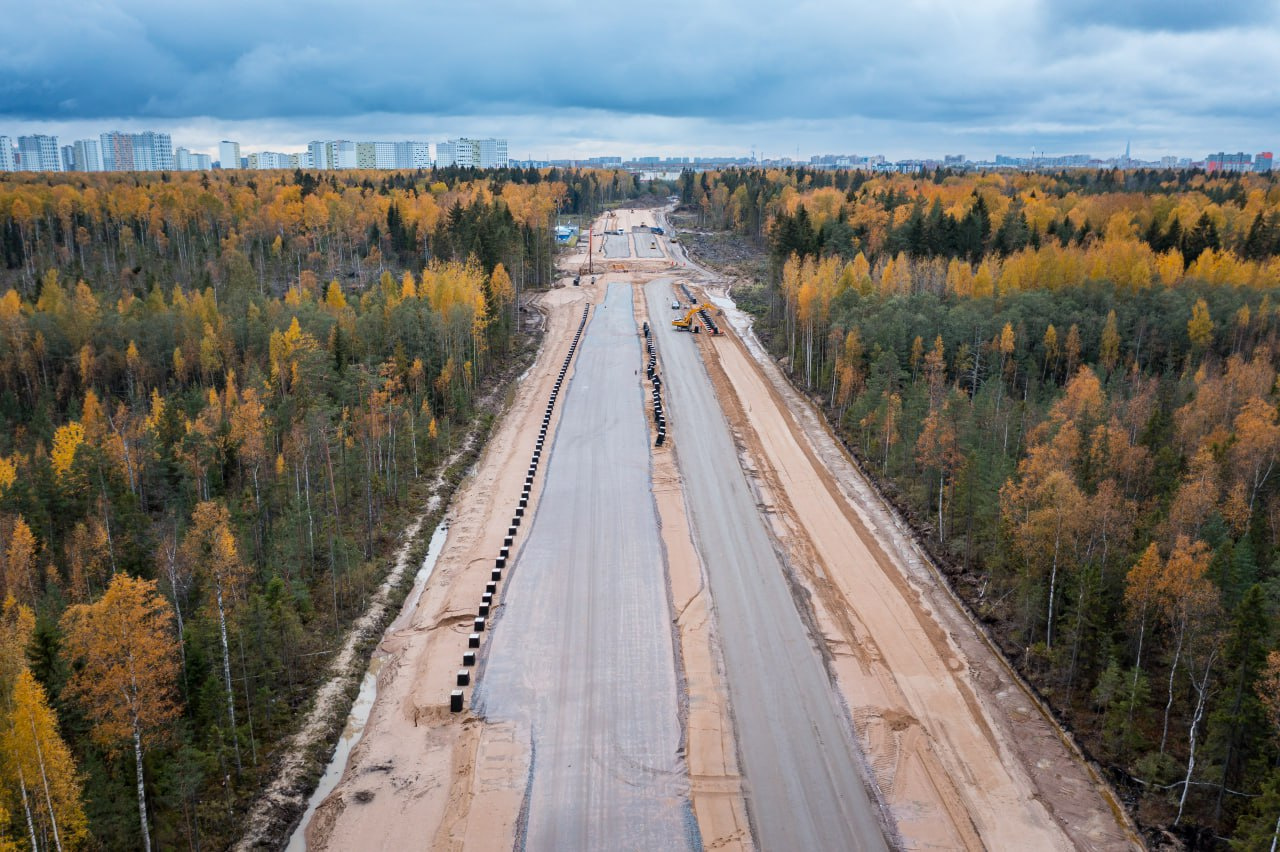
(1126, 151)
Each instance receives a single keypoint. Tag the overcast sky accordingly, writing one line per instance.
(898, 77)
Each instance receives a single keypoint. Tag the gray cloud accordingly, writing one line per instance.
(1064, 74)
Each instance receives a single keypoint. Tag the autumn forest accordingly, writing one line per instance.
(219, 396)
(1068, 382)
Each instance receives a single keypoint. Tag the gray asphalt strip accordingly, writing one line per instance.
(803, 768)
(581, 655)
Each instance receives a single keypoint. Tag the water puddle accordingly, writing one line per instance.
(359, 714)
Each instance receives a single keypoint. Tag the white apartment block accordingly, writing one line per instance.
(413, 155)
(340, 154)
(393, 155)
(269, 160)
(68, 158)
(477, 153)
(229, 154)
(88, 155)
(384, 155)
(315, 150)
(493, 153)
(136, 152)
(189, 161)
(8, 159)
(39, 153)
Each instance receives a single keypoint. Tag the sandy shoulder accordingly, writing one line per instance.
(422, 776)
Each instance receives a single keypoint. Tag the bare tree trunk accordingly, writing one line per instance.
(44, 779)
(1202, 694)
(142, 791)
(1177, 653)
(226, 672)
(248, 700)
(26, 807)
(1053, 580)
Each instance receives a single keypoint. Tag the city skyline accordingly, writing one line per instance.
(486, 153)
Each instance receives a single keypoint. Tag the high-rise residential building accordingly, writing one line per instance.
(8, 159)
(1224, 162)
(493, 154)
(39, 153)
(68, 158)
(340, 154)
(412, 155)
(479, 153)
(229, 154)
(117, 152)
(455, 152)
(366, 155)
(187, 160)
(1262, 162)
(318, 158)
(136, 152)
(269, 160)
(88, 156)
(384, 155)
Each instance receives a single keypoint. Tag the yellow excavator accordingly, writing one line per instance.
(686, 322)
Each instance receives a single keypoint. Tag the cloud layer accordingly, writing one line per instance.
(913, 75)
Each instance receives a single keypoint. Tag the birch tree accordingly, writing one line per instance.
(125, 663)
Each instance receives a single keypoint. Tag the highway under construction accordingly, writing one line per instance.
(671, 613)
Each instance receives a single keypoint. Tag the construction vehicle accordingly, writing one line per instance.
(702, 312)
(686, 322)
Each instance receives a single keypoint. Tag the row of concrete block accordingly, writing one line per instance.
(456, 698)
(651, 373)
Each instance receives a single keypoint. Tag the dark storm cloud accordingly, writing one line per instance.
(1009, 68)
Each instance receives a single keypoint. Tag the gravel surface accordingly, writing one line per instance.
(617, 245)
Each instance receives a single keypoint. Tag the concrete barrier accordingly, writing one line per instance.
(469, 658)
(473, 641)
(495, 575)
(455, 701)
(478, 625)
(483, 610)
(464, 677)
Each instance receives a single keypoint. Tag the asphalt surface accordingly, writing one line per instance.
(801, 764)
(582, 654)
(643, 242)
(617, 245)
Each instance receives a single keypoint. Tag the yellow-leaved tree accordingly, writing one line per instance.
(124, 666)
(36, 763)
(209, 549)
